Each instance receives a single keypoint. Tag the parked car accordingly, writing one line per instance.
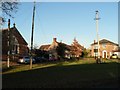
(114, 56)
(25, 59)
(40, 59)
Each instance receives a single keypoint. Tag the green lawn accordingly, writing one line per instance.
(66, 74)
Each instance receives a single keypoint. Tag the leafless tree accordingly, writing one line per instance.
(8, 7)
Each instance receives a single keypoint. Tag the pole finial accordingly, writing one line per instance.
(96, 11)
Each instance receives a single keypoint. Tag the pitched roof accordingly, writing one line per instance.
(104, 41)
(17, 34)
(67, 47)
(44, 47)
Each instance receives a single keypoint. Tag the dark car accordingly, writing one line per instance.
(40, 59)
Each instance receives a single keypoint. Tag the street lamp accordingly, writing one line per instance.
(97, 18)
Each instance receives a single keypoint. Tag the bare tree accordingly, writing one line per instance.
(8, 7)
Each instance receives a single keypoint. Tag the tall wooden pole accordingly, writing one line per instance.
(32, 37)
(8, 42)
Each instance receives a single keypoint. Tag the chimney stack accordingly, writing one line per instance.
(94, 41)
(9, 23)
(54, 39)
(14, 25)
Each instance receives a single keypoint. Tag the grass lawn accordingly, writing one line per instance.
(66, 74)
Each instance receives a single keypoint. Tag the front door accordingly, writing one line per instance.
(105, 55)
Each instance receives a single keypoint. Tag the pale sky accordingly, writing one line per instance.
(66, 20)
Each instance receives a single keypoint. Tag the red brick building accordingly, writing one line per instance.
(106, 48)
(18, 45)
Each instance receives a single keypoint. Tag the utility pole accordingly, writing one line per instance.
(8, 43)
(97, 18)
(32, 37)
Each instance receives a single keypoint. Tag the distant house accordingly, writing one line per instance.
(55, 49)
(18, 45)
(51, 48)
(106, 48)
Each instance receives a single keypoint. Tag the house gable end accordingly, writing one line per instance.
(18, 36)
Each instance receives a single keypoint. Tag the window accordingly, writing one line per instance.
(95, 50)
(17, 49)
(104, 45)
(96, 47)
(95, 53)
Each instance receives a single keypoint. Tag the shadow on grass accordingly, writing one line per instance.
(60, 76)
(5, 69)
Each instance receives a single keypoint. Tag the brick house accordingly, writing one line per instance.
(18, 45)
(51, 49)
(106, 48)
(74, 50)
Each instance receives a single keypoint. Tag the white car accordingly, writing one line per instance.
(114, 56)
(25, 59)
